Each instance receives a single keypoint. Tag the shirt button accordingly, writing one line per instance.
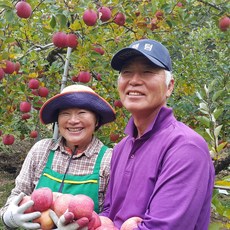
(132, 156)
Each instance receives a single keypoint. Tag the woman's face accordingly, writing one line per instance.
(77, 126)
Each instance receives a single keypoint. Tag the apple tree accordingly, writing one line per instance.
(67, 42)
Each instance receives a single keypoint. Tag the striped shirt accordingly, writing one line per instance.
(81, 164)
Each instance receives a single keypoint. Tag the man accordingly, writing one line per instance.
(162, 170)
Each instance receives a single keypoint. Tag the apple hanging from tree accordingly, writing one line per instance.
(9, 67)
(33, 84)
(25, 106)
(89, 17)
(104, 13)
(25, 116)
(224, 23)
(34, 134)
(114, 137)
(71, 40)
(119, 19)
(59, 39)
(118, 103)
(74, 78)
(43, 91)
(84, 76)
(8, 139)
(23, 9)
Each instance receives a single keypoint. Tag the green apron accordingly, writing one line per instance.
(87, 184)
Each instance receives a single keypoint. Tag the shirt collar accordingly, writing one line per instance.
(162, 119)
(91, 149)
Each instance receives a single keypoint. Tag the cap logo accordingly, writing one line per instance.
(135, 46)
(148, 47)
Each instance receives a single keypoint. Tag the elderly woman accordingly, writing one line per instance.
(77, 162)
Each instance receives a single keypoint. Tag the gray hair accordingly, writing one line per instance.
(168, 76)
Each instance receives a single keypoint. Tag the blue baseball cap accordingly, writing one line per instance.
(151, 49)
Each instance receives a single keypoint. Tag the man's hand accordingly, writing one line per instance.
(67, 222)
(15, 217)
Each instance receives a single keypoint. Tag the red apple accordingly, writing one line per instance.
(114, 137)
(104, 13)
(98, 49)
(9, 67)
(159, 14)
(33, 83)
(2, 74)
(179, 4)
(23, 9)
(25, 116)
(98, 77)
(43, 92)
(34, 134)
(84, 76)
(131, 223)
(59, 39)
(81, 206)
(43, 199)
(153, 24)
(23, 201)
(118, 103)
(89, 17)
(55, 196)
(119, 19)
(8, 139)
(17, 66)
(94, 222)
(71, 40)
(224, 23)
(106, 221)
(25, 106)
(74, 78)
(61, 204)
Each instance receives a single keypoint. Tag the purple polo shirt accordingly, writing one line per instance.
(165, 177)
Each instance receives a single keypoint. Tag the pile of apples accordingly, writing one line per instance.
(80, 207)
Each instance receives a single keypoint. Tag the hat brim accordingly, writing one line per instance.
(84, 100)
(123, 55)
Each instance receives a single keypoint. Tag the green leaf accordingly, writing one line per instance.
(204, 120)
(53, 21)
(209, 133)
(218, 112)
(221, 146)
(217, 130)
(203, 106)
(217, 94)
(62, 20)
(9, 15)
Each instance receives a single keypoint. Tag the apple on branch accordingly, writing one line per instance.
(43, 91)
(119, 19)
(104, 13)
(34, 134)
(9, 67)
(224, 23)
(33, 84)
(23, 9)
(89, 17)
(25, 106)
(84, 76)
(8, 139)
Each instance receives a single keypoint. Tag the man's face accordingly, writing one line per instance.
(142, 86)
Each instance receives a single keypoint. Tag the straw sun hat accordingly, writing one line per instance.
(77, 96)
